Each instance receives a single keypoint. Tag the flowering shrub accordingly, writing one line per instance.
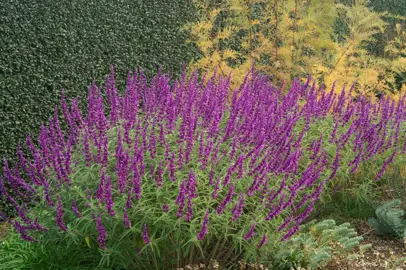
(169, 175)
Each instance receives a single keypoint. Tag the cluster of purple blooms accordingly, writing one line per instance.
(162, 128)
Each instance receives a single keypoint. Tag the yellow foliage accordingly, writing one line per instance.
(204, 63)
(294, 38)
(213, 13)
(206, 45)
(225, 33)
(227, 53)
(201, 27)
(216, 58)
(368, 78)
(399, 65)
(397, 96)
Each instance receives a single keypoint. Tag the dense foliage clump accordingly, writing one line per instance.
(173, 174)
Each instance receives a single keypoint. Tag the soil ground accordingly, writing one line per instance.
(386, 253)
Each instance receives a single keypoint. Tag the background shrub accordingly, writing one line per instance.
(53, 44)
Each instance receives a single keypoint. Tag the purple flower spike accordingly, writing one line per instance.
(191, 185)
(159, 179)
(126, 220)
(128, 202)
(386, 164)
(204, 229)
(102, 232)
(59, 215)
(189, 213)
(250, 233)
(227, 199)
(109, 197)
(216, 189)
(22, 230)
(263, 241)
(100, 189)
(172, 167)
(165, 208)
(180, 200)
(291, 232)
(238, 208)
(75, 209)
(145, 236)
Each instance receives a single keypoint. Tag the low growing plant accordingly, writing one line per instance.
(315, 245)
(389, 220)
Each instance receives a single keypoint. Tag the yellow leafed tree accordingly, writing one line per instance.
(282, 38)
(353, 63)
(294, 38)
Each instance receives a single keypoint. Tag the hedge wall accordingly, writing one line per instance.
(395, 7)
(47, 45)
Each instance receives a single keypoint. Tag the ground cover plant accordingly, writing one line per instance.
(171, 174)
(389, 219)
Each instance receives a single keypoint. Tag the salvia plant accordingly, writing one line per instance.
(173, 173)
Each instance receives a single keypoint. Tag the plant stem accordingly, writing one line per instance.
(155, 262)
(250, 36)
(341, 57)
(276, 28)
(192, 251)
(214, 250)
(293, 40)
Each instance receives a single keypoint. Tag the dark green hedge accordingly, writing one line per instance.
(47, 45)
(395, 7)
